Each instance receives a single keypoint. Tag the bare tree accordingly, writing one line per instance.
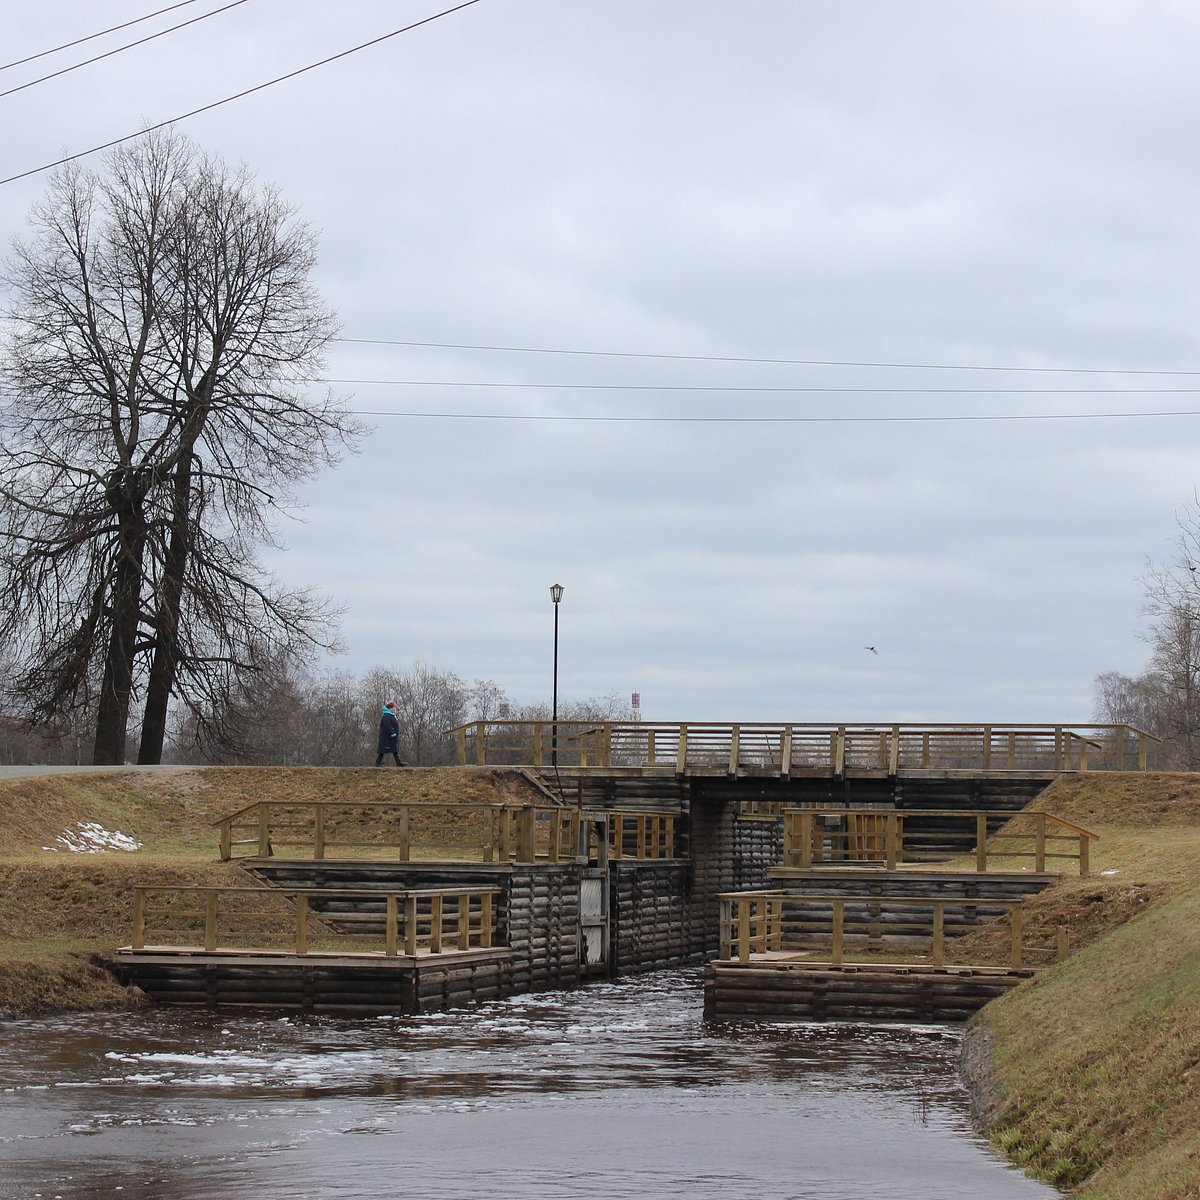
(164, 333)
(1165, 698)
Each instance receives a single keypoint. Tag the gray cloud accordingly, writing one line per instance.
(1007, 184)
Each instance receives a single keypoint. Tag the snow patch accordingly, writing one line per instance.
(90, 838)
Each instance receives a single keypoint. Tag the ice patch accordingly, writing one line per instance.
(90, 838)
(1110, 871)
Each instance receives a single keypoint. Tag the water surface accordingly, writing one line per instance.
(615, 1090)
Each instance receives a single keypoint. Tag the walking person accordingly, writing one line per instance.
(389, 735)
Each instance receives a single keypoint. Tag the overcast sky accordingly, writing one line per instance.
(636, 193)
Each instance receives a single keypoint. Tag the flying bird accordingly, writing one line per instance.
(872, 649)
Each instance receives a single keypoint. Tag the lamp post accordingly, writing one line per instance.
(556, 594)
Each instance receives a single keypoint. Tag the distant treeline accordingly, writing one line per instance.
(293, 716)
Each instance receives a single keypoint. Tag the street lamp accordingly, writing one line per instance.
(556, 593)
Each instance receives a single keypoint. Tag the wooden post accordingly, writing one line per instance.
(264, 830)
(525, 834)
(226, 840)
(938, 956)
(785, 753)
(981, 842)
(480, 743)
(1119, 747)
(139, 918)
(839, 761)
(538, 733)
(319, 833)
(555, 835)
(894, 754)
(743, 920)
(681, 751)
(302, 923)
(410, 924)
(735, 739)
(1084, 840)
(1017, 936)
(391, 937)
(892, 837)
(211, 899)
(724, 929)
(435, 923)
(650, 748)
(839, 930)
(806, 840)
(641, 821)
(1063, 948)
(1142, 751)
(1058, 749)
(1039, 851)
(462, 745)
(618, 835)
(987, 748)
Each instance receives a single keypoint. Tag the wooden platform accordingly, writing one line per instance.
(336, 984)
(785, 988)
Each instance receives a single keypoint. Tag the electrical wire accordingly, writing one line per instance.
(91, 37)
(239, 95)
(781, 362)
(119, 49)
(766, 389)
(949, 418)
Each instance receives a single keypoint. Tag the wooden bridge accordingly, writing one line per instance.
(792, 750)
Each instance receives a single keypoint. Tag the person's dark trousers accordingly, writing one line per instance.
(379, 760)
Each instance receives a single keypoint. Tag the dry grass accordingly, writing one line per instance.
(1099, 1058)
(62, 912)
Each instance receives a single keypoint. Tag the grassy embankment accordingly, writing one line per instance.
(1096, 1082)
(62, 912)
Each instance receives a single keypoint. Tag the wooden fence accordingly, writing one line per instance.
(408, 832)
(817, 836)
(779, 923)
(306, 921)
(816, 749)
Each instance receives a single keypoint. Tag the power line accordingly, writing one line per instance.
(119, 49)
(239, 95)
(805, 420)
(782, 362)
(92, 36)
(766, 389)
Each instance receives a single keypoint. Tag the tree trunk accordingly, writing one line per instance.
(164, 664)
(112, 717)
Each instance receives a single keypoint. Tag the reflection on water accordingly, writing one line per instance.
(615, 1090)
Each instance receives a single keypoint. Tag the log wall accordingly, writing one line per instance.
(345, 987)
(819, 992)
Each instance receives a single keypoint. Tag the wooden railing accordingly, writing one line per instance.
(785, 749)
(314, 921)
(844, 837)
(408, 832)
(780, 923)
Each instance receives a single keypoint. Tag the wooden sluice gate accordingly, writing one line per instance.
(410, 907)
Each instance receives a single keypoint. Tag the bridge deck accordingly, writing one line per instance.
(884, 749)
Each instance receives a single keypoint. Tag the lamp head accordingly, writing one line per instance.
(556, 591)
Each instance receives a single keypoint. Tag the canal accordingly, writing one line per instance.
(615, 1090)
